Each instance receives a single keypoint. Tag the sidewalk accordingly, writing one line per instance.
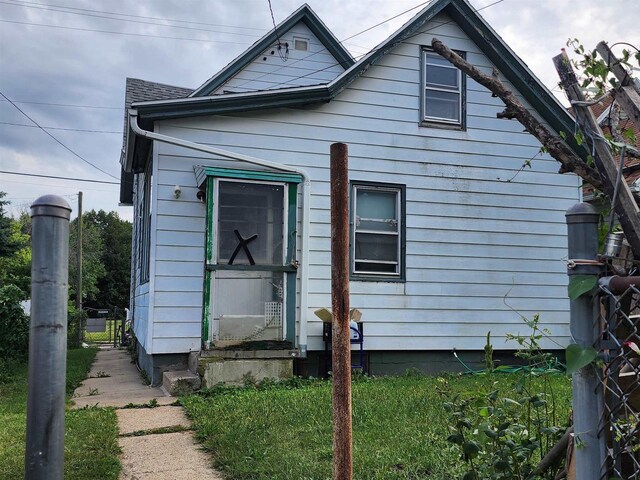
(156, 443)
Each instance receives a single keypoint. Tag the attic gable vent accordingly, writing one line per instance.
(300, 44)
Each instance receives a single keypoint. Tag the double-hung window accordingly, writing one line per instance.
(377, 212)
(443, 91)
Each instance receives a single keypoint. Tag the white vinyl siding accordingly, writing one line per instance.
(482, 237)
(299, 68)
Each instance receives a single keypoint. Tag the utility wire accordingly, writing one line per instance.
(56, 140)
(56, 177)
(283, 56)
(376, 49)
(320, 51)
(106, 17)
(67, 105)
(60, 128)
(138, 16)
(119, 33)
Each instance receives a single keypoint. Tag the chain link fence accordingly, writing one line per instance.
(618, 348)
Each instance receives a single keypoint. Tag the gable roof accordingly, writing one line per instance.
(460, 11)
(303, 14)
(491, 44)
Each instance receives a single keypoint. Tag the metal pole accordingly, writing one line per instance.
(44, 458)
(79, 326)
(588, 396)
(341, 345)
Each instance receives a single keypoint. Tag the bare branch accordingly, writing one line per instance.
(557, 148)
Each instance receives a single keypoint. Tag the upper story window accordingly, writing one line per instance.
(377, 242)
(443, 93)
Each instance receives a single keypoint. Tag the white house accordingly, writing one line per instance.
(450, 237)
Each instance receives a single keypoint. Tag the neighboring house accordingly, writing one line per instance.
(230, 189)
(613, 121)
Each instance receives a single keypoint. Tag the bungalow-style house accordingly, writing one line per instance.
(450, 237)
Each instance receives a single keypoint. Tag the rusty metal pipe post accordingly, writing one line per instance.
(341, 345)
(44, 457)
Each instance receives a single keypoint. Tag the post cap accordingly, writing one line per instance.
(582, 213)
(51, 206)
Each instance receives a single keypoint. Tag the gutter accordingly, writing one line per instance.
(306, 205)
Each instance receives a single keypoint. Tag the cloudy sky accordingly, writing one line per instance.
(63, 63)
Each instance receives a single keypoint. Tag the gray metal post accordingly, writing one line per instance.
(44, 458)
(588, 396)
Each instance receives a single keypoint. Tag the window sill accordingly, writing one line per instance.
(443, 125)
(357, 277)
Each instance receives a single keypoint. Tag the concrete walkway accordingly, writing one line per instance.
(147, 452)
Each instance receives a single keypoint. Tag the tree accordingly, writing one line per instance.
(92, 267)
(8, 244)
(113, 289)
(15, 269)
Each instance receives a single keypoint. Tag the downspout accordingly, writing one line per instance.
(306, 206)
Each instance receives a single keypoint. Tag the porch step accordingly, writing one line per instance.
(238, 370)
(180, 382)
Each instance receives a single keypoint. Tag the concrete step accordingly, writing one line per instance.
(180, 382)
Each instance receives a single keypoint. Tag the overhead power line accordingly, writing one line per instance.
(60, 128)
(63, 27)
(192, 22)
(66, 105)
(106, 16)
(56, 177)
(56, 140)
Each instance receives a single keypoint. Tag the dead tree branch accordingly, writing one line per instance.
(557, 148)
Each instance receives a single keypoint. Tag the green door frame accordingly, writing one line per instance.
(289, 268)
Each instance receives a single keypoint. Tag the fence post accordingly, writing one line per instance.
(588, 397)
(44, 457)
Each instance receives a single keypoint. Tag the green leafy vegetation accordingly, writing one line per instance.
(91, 446)
(400, 425)
(14, 324)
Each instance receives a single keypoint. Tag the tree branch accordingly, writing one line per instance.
(557, 148)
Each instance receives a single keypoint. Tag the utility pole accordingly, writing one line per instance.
(79, 270)
(625, 206)
(341, 344)
(627, 94)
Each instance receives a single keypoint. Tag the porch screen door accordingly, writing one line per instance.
(248, 289)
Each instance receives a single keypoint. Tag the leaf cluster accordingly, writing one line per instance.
(501, 436)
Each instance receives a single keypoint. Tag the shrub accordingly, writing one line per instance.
(14, 324)
(75, 325)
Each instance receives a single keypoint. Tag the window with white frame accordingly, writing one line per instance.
(377, 231)
(443, 90)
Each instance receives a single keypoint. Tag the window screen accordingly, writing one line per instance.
(376, 230)
(250, 223)
(442, 94)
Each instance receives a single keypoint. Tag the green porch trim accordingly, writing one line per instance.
(206, 311)
(292, 232)
(220, 172)
(213, 267)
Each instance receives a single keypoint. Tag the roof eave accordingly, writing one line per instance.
(192, 107)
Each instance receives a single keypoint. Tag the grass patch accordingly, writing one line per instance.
(91, 445)
(284, 432)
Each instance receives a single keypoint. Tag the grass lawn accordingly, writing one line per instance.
(91, 440)
(285, 432)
